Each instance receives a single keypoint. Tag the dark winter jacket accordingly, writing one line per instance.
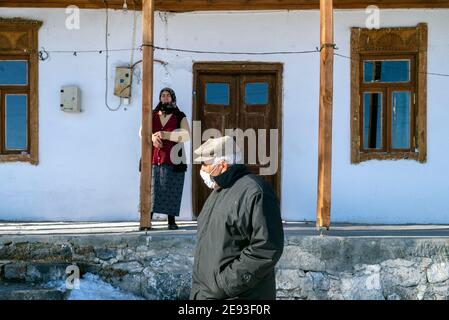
(240, 239)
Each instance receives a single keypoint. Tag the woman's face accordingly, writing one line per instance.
(166, 97)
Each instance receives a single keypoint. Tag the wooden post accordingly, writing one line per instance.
(147, 107)
(325, 121)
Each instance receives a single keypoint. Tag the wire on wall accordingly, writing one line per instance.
(107, 62)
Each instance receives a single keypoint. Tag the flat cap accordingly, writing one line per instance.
(215, 148)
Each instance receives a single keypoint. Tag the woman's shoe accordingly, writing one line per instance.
(173, 226)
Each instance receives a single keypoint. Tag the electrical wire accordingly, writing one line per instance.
(107, 62)
(47, 52)
(230, 52)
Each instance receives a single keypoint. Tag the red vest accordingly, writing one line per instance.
(162, 155)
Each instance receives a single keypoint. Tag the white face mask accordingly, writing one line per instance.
(207, 178)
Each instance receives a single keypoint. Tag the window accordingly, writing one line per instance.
(13, 72)
(217, 93)
(386, 103)
(256, 93)
(16, 110)
(386, 71)
(388, 94)
(372, 120)
(18, 90)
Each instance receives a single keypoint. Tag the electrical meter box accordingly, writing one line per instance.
(70, 99)
(123, 78)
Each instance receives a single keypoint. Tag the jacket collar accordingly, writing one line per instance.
(230, 176)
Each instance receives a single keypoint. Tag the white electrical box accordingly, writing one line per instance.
(70, 99)
(123, 78)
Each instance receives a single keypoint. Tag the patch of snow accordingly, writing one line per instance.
(91, 287)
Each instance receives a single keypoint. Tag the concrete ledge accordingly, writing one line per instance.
(348, 262)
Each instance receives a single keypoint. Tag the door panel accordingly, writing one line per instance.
(257, 111)
(214, 113)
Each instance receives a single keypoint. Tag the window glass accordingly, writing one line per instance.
(372, 120)
(217, 93)
(401, 120)
(256, 93)
(387, 71)
(16, 122)
(13, 72)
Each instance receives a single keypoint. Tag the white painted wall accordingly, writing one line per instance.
(88, 161)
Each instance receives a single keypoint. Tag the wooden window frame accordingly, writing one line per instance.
(390, 44)
(19, 41)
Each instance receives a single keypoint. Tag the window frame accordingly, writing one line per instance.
(3, 149)
(20, 43)
(401, 43)
(383, 120)
(386, 89)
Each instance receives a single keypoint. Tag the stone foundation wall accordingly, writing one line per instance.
(159, 266)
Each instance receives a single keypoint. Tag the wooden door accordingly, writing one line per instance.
(230, 96)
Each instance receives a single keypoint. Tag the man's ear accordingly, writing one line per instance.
(224, 165)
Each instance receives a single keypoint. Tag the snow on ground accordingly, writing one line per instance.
(91, 287)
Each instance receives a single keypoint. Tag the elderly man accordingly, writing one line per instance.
(240, 234)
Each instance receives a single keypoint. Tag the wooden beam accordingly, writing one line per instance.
(207, 5)
(325, 120)
(147, 107)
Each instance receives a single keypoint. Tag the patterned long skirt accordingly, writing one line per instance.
(166, 190)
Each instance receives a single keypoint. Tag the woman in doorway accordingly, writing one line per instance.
(170, 130)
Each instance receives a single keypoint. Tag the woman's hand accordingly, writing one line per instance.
(157, 140)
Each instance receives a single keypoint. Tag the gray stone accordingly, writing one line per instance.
(394, 296)
(169, 286)
(421, 291)
(30, 292)
(104, 253)
(320, 281)
(295, 257)
(401, 272)
(3, 263)
(88, 268)
(142, 248)
(129, 283)
(129, 267)
(40, 253)
(288, 279)
(364, 285)
(43, 272)
(438, 272)
(439, 291)
(15, 272)
(397, 263)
